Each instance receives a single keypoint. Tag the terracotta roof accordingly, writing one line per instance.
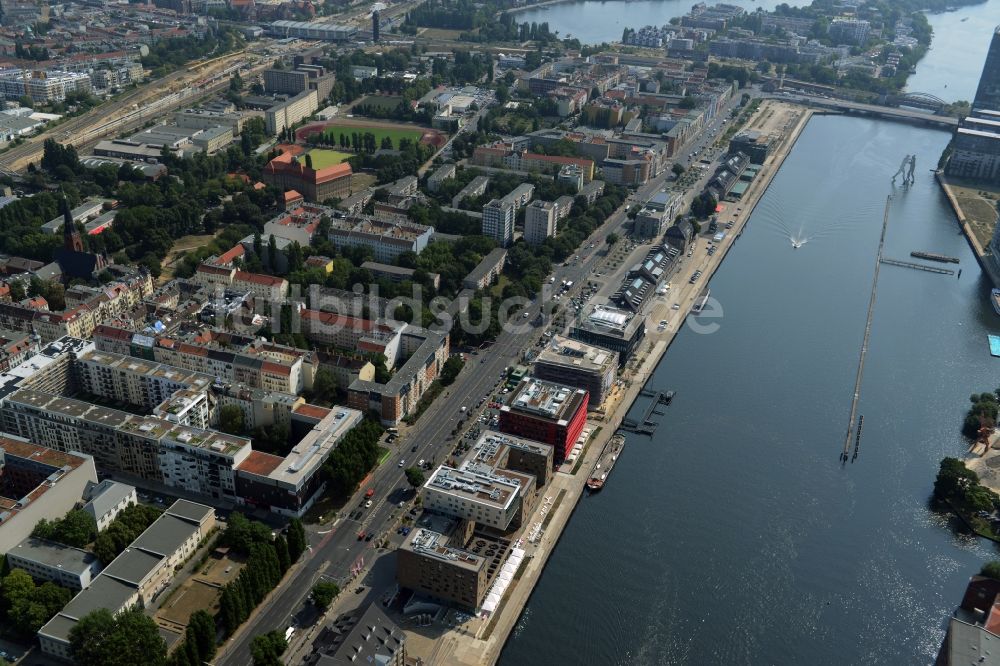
(275, 368)
(231, 255)
(312, 411)
(214, 270)
(292, 195)
(257, 278)
(260, 463)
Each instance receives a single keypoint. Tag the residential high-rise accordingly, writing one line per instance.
(375, 26)
(498, 221)
(988, 93)
(539, 222)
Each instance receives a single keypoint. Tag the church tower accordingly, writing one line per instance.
(71, 237)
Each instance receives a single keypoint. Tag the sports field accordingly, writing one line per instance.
(395, 133)
(322, 157)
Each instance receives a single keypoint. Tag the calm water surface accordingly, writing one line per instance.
(952, 66)
(735, 536)
(596, 21)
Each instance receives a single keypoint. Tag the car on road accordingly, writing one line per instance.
(402, 462)
(675, 306)
(368, 504)
(421, 463)
(413, 448)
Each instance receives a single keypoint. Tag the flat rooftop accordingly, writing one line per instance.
(485, 486)
(547, 400)
(434, 545)
(489, 444)
(607, 320)
(52, 554)
(568, 353)
(298, 466)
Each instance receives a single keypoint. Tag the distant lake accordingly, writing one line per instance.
(596, 21)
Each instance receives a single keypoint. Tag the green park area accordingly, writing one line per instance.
(323, 158)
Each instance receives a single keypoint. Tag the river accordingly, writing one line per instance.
(735, 535)
(961, 39)
(596, 21)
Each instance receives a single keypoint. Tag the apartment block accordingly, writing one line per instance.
(63, 565)
(498, 221)
(425, 352)
(137, 575)
(487, 270)
(387, 240)
(540, 222)
(105, 500)
(37, 483)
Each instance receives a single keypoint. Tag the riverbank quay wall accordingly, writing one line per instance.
(471, 650)
(989, 262)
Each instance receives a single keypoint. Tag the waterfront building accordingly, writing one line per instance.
(137, 575)
(650, 223)
(444, 559)
(498, 221)
(546, 412)
(974, 627)
(539, 222)
(755, 145)
(617, 330)
(988, 91)
(489, 496)
(574, 363)
(68, 567)
(37, 483)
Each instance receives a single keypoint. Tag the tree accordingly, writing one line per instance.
(281, 550)
(201, 632)
(324, 386)
(126, 639)
(953, 478)
(309, 161)
(231, 420)
(296, 535)
(991, 570)
(267, 649)
(677, 168)
(323, 594)
(77, 528)
(414, 476)
(451, 368)
(242, 534)
(611, 239)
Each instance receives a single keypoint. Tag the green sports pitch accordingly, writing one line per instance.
(334, 132)
(323, 158)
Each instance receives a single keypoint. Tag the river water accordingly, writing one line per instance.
(596, 21)
(735, 535)
(951, 67)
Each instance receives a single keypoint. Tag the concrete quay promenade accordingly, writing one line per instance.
(479, 641)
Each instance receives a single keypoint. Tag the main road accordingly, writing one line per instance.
(333, 553)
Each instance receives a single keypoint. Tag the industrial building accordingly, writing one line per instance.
(328, 32)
